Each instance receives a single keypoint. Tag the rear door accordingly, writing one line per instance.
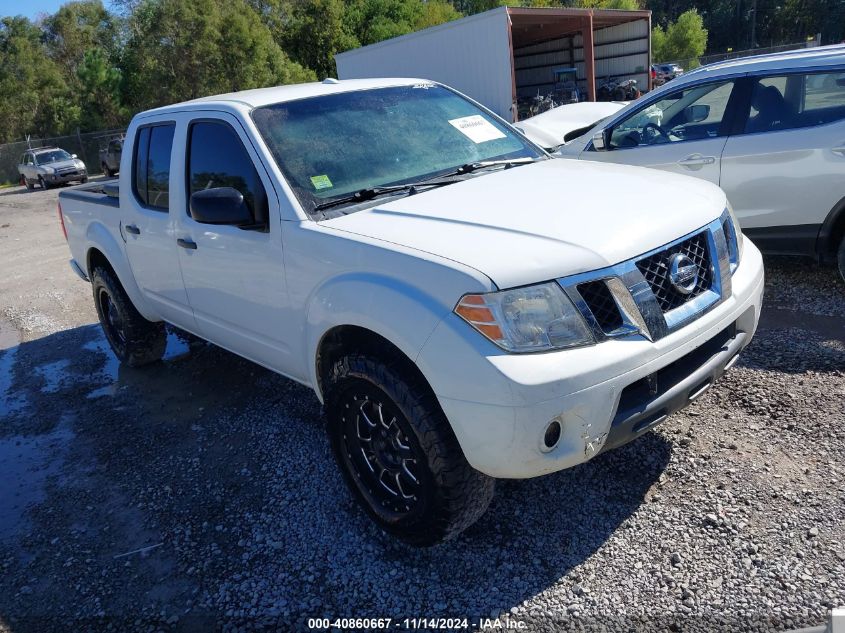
(234, 276)
(684, 131)
(148, 228)
(784, 169)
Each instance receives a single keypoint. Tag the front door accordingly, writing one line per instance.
(683, 132)
(234, 276)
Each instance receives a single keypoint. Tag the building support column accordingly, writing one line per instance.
(589, 56)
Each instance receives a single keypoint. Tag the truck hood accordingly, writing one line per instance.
(545, 220)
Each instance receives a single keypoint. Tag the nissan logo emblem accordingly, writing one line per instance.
(683, 273)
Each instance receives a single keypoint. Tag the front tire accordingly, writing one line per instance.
(134, 340)
(840, 258)
(398, 453)
(106, 171)
(43, 183)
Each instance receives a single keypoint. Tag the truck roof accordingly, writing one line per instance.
(278, 94)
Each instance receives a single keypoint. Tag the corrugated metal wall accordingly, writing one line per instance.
(471, 55)
(619, 51)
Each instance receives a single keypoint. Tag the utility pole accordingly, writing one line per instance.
(753, 23)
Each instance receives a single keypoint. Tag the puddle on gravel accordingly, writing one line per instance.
(9, 342)
(25, 464)
(176, 349)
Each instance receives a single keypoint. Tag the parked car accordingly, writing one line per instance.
(110, 156)
(405, 253)
(48, 166)
(560, 125)
(661, 73)
(770, 130)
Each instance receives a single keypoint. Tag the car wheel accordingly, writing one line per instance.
(43, 183)
(84, 180)
(840, 258)
(134, 340)
(106, 171)
(398, 453)
(27, 184)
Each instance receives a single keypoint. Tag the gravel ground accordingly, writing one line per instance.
(201, 493)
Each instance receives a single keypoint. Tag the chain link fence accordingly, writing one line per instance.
(87, 146)
(689, 64)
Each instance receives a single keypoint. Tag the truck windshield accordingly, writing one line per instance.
(333, 145)
(54, 156)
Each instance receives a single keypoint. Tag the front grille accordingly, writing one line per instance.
(597, 296)
(655, 269)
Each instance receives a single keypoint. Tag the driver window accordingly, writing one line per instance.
(691, 114)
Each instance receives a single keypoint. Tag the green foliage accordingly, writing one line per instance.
(99, 92)
(684, 40)
(185, 49)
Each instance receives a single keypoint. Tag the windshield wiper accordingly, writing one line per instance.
(363, 195)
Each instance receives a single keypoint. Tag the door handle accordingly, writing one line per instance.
(131, 228)
(187, 244)
(696, 160)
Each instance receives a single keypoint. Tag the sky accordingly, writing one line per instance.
(32, 8)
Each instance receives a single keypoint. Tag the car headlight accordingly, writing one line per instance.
(530, 319)
(733, 235)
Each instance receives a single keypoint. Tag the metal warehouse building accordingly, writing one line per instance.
(508, 53)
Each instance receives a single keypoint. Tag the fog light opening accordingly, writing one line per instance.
(552, 435)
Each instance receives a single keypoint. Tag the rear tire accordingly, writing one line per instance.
(398, 453)
(134, 340)
(840, 258)
(27, 184)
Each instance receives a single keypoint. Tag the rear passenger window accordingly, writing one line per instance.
(151, 181)
(218, 158)
(794, 101)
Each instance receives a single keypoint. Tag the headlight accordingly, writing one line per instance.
(733, 235)
(530, 319)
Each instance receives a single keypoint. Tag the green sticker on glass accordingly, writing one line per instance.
(321, 182)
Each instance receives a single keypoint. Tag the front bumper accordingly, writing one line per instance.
(74, 176)
(500, 404)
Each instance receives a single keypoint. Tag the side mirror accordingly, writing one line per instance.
(221, 205)
(599, 141)
(697, 113)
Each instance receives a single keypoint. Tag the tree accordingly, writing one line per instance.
(318, 29)
(684, 40)
(100, 92)
(34, 98)
(75, 29)
(184, 49)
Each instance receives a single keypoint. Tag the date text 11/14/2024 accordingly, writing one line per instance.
(420, 623)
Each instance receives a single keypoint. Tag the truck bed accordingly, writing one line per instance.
(101, 193)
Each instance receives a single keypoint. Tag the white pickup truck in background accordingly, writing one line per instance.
(408, 255)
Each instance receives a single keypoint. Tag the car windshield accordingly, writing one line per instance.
(53, 156)
(331, 146)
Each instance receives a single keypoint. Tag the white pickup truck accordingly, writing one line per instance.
(466, 307)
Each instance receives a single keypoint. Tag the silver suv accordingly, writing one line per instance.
(48, 166)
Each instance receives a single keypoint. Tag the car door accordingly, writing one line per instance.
(28, 168)
(234, 275)
(785, 169)
(683, 131)
(147, 227)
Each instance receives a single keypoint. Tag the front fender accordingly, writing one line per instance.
(100, 238)
(402, 313)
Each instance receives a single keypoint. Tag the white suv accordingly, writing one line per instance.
(769, 130)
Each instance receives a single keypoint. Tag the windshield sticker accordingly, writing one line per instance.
(477, 129)
(321, 182)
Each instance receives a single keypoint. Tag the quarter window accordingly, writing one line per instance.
(151, 183)
(218, 158)
(788, 102)
(691, 114)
